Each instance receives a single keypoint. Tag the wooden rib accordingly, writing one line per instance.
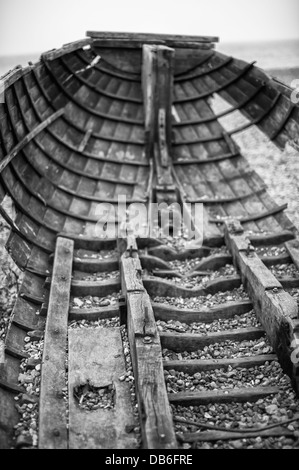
(160, 287)
(276, 310)
(271, 239)
(113, 96)
(166, 312)
(241, 128)
(197, 365)
(154, 410)
(73, 124)
(92, 265)
(221, 396)
(226, 435)
(94, 112)
(216, 89)
(226, 200)
(93, 314)
(205, 59)
(11, 387)
(283, 122)
(52, 413)
(257, 121)
(213, 262)
(99, 288)
(203, 161)
(217, 116)
(201, 73)
(29, 137)
(192, 342)
(275, 260)
(254, 217)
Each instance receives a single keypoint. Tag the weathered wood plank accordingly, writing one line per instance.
(157, 84)
(145, 37)
(276, 310)
(66, 49)
(29, 137)
(293, 249)
(154, 411)
(52, 414)
(221, 396)
(96, 358)
(192, 342)
(197, 365)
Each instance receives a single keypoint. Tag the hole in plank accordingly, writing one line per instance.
(92, 398)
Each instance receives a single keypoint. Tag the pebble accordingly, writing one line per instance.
(94, 301)
(242, 321)
(203, 301)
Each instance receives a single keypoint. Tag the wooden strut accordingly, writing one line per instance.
(154, 410)
(276, 310)
(29, 137)
(52, 414)
(157, 84)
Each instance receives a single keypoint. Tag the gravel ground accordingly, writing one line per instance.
(10, 275)
(93, 301)
(26, 431)
(270, 250)
(248, 415)
(284, 270)
(269, 374)
(223, 350)
(104, 323)
(202, 281)
(206, 301)
(184, 266)
(101, 276)
(247, 320)
(103, 254)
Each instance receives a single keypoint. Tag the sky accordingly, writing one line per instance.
(28, 26)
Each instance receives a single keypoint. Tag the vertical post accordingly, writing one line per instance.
(157, 83)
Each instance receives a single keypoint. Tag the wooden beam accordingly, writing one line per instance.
(157, 84)
(151, 37)
(52, 413)
(276, 310)
(29, 137)
(154, 411)
(66, 49)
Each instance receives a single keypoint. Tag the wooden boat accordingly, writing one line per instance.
(121, 114)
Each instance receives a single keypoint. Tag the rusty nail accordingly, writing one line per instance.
(275, 290)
